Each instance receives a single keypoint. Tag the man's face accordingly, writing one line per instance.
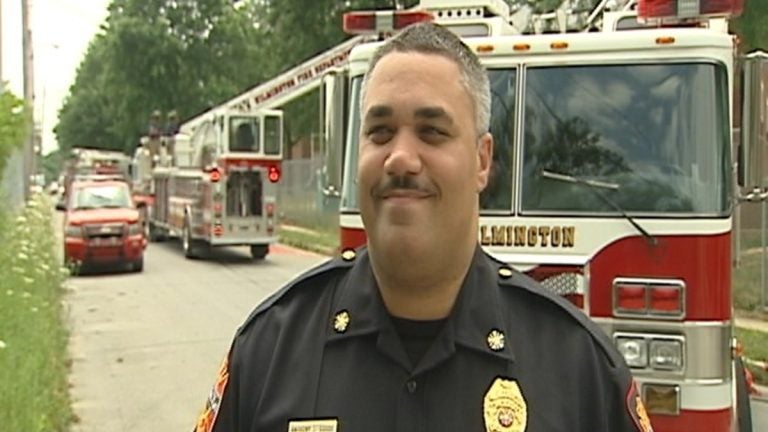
(421, 163)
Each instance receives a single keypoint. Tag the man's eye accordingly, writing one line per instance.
(379, 134)
(432, 133)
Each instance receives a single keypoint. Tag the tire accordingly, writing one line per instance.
(156, 234)
(743, 408)
(259, 252)
(187, 242)
(138, 265)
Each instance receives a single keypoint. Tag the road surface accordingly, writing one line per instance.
(146, 346)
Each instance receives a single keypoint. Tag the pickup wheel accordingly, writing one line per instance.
(259, 252)
(138, 265)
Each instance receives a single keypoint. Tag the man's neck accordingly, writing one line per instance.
(418, 288)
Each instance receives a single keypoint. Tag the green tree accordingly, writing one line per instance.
(752, 25)
(158, 55)
(13, 125)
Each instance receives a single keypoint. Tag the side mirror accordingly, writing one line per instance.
(333, 118)
(753, 151)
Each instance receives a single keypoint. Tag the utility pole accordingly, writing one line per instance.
(29, 98)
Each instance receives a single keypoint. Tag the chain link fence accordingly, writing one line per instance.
(750, 276)
(300, 197)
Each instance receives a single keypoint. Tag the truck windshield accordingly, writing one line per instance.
(107, 196)
(244, 134)
(658, 131)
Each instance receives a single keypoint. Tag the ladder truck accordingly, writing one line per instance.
(213, 183)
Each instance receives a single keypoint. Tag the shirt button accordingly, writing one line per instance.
(411, 386)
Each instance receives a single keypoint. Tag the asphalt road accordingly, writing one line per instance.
(146, 346)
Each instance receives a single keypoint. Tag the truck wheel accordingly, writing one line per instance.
(743, 408)
(259, 251)
(187, 242)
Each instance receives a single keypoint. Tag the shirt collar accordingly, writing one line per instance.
(477, 320)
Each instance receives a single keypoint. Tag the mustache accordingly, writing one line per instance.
(402, 182)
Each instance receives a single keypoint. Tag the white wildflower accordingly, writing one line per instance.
(9, 292)
(3, 344)
(26, 294)
(21, 220)
(34, 309)
(45, 267)
(28, 280)
(22, 256)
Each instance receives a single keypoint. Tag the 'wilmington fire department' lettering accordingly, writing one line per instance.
(531, 236)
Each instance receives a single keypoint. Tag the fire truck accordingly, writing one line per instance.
(212, 184)
(613, 181)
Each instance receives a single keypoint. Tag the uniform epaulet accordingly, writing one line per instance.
(508, 276)
(343, 262)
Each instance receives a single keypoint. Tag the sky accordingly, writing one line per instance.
(61, 31)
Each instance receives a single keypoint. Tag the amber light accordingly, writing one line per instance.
(218, 230)
(484, 48)
(665, 40)
(521, 47)
(558, 45)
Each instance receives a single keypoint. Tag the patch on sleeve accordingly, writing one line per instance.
(637, 410)
(208, 416)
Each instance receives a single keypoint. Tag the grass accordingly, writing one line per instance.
(34, 365)
(324, 241)
(755, 348)
(747, 286)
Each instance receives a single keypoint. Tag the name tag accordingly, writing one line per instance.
(313, 425)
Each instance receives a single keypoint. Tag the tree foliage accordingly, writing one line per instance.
(189, 55)
(752, 25)
(13, 125)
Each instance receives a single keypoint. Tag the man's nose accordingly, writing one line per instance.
(404, 157)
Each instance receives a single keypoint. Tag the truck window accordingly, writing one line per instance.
(244, 134)
(272, 135)
(659, 132)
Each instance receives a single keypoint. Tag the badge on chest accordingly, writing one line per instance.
(504, 407)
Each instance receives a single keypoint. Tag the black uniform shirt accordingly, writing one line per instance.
(509, 357)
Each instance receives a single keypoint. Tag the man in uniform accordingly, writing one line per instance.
(421, 330)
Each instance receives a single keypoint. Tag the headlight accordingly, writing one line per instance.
(73, 231)
(666, 354)
(135, 229)
(634, 350)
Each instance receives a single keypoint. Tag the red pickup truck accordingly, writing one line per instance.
(102, 225)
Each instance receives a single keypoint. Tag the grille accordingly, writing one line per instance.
(564, 284)
(104, 231)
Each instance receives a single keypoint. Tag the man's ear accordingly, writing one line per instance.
(484, 160)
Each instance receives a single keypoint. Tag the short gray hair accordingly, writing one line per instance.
(429, 38)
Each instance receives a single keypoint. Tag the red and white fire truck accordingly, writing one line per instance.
(213, 183)
(613, 179)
